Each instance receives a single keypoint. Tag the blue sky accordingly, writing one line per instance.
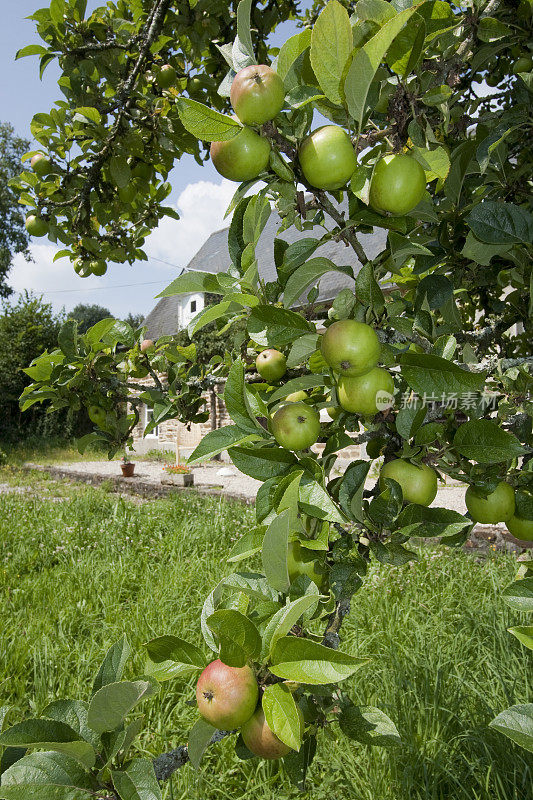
(199, 193)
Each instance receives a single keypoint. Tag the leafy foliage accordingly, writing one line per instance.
(13, 236)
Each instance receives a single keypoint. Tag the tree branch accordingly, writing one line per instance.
(166, 764)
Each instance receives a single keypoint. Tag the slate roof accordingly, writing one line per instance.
(213, 256)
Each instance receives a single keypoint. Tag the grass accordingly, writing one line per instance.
(79, 566)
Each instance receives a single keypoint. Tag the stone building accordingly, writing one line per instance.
(171, 314)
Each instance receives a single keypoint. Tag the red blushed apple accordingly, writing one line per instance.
(146, 345)
(260, 740)
(257, 94)
(226, 696)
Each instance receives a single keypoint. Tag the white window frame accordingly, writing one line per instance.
(148, 413)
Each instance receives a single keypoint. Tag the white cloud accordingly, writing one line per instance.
(201, 206)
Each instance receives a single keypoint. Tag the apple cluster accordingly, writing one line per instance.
(228, 698)
(326, 156)
(498, 506)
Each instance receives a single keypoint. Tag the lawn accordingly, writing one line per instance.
(79, 566)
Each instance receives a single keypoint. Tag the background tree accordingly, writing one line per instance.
(13, 236)
(88, 315)
(135, 320)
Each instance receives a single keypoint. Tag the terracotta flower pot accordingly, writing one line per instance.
(127, 470)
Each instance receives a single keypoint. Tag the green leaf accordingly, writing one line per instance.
(378, 11)
(282, 716)
(74, 713)
(49, 734)
(331, 46)
(111, 704)
(193, 281)
(351, 489)
(490, 29)
(519, 595)
(68, 338)
(436, 163)
(205, 123)
(242, 51)
(369, 725)
(302, 660)
(236, 401)
(112, 667)
(248, 544)
(290, 51)
(31, 50)
(524, 634)
(262, 463)
(366, 62)
(295, 385)
(239, 638)
(284, 619)
(405, 51)
(138, 781)
(199, 739)
(496, 222)
(269, 326)
(274, 551)
(432, 375)
(309, 274)
(481, 252)
(368, 290)
(517, 724)
(170, 656)
(484, 441)
(120, 171)
(46, 776)
(87, 114)
(421, 521)
(315, 501)
(218, 440)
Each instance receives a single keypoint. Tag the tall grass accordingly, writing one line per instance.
(79, 566)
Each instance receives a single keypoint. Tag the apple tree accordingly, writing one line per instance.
(415, 122)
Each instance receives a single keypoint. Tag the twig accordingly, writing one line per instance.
(166, 764)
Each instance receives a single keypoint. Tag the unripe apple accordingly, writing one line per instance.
(498, 506)
(522, 64)
(301, 561)
(259, 738)
(257, 94)
(520, 528)
(98, 266)
(146, 344)
(242, 158)
(97, 415)
(296, 426)
(82, 268)
(418, 481)
(271, 364)
(366, 394)
(327, 158)
(297, 397)
(398, 184)
(41, 165)
(36, 226)
(350, 347)
(165, 77)
(226, 696)
(334, 411)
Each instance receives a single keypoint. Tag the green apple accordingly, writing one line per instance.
(242, 158)
(260, 740)
(36, 225)
(82, 267)
(296, 426)
(398, 184)
(166, 76)
(418, 481)
(522, 64)
(97, 415)
(98, 266)
(296, 397)
(366, 394)
(520, 528)
(350, 348)
(334, 411)
(301, 561)
(41, 165)
(226, 696)
(498, 506)
(271, 365)
(327, 158)
(257, 94)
